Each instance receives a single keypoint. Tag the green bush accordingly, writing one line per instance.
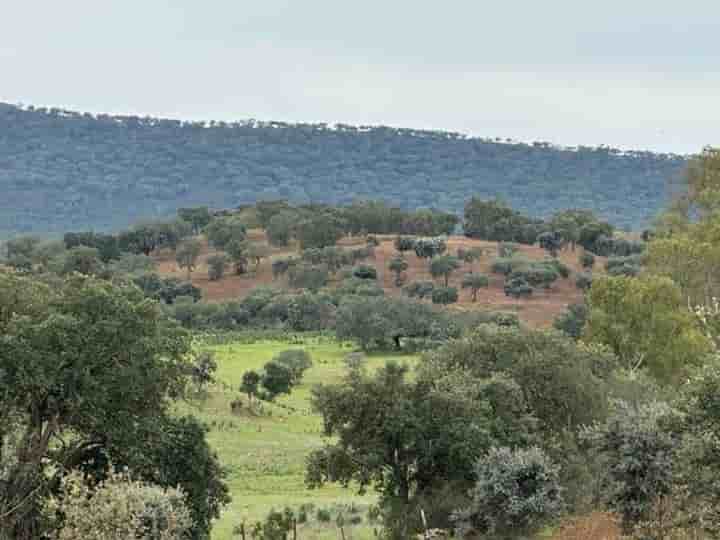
(297, 361)
(419, 289)
(584, 281)
(445, 295)
(516, 493)
(587, 260)
(365, 271)
(517, 288)
(216, 266)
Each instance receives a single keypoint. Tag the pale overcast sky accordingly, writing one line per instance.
(635, 73)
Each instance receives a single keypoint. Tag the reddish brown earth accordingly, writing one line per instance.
(538, 311)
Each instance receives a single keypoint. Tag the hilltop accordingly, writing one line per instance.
(63, 170)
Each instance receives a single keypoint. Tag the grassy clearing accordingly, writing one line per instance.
(265, 452)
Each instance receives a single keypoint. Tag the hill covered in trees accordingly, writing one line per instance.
(62, 170)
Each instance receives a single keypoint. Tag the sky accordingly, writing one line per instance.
(635, 74)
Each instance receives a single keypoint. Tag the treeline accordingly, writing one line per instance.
(63, 170)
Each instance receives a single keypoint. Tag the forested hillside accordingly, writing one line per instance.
(61, 170)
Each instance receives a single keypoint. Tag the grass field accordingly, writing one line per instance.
(265, 452)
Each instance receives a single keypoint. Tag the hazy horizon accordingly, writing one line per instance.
(641, 76)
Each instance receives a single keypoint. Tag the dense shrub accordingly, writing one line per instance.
(517, 288)
(445, 295)
(119, 509)
(216, 266)
(419, 289)
(364, 271)
(587, 259)
(516, 493)
(304, 276)
(584, 281)
(572, 320)
(298, 361)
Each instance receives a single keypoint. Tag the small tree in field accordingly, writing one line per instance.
(397, 266)
(469, 256)
(256, 253)
(216, 266)
(238, 252)
(250, 384)
(551, 242)
(187, 255)
(475, 282)
(443, 267)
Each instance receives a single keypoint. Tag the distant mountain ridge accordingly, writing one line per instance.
(61, 170)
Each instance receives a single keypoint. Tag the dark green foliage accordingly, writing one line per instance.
(427, 248)
(106, 244)
(443, 267)
(216, 266)
(397, 266)
(281, 228)
(516, 493)
(419, 289)
(377, 322)
(137, 363)
(276, 526)
(174, 452)
(591, 232)
(198, 217)
(608, 246)
(310, 312)
(203, 369)
(624, 266)
(222, 231)
(250, 384)
(276, 379)
(551, 242)
(319, 231)
(506, 266)
(187, 253)
(507, 249)
(404, 243)
(584, 281)
(587, 260)
(85, 260)
(639, 453)
(517, 288)
(445, 295)
(271, 160)
(495, 220)
(572, 321)
(475, 282)
(304, 276)
(280, 267)
(403, 452)
(166, 289)
(536, 275)
(268, 209)
(133, 265)
(364, 271)
(297, 361)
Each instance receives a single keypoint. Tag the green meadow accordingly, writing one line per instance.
(264, 447)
